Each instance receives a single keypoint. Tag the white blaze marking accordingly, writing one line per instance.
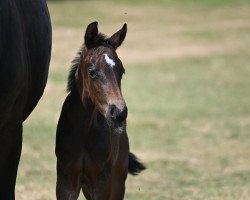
(109, 61)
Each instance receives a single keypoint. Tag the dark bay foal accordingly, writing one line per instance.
(92, 145)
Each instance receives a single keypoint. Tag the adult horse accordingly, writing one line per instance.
(25, 49)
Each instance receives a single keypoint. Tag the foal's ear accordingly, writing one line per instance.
(117, 39)
(91, 33)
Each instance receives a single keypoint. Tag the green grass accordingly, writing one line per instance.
(80, 13)
(189, 3)
(187, 89)
(169, 2)
(191, 120)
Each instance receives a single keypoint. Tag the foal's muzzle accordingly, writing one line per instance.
(118, 115)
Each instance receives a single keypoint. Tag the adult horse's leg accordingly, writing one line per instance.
(10, 151)
(12, 81)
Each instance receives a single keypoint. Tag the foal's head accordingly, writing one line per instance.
(101, 71)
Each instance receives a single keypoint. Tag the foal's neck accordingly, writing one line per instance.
(95, 129)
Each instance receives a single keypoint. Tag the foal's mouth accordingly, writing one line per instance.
(117, 118)
(118, 128)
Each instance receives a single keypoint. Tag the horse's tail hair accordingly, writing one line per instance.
(134, 166)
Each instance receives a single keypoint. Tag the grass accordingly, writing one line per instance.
(186, 87)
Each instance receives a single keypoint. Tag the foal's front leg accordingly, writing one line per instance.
(99, 188)
(118, 186)
(120, 170)
(112, 186)
(68, 183)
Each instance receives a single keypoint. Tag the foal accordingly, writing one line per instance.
(92, 145)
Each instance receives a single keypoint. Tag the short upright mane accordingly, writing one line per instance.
(100, 40)
(73, 69)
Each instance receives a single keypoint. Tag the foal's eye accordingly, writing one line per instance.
(92, 73)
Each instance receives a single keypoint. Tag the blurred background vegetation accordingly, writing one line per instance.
(187, 88)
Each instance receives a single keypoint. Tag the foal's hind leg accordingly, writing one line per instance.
(68, 185)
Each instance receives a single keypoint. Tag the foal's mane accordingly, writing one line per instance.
(100, 40)
(73, 70)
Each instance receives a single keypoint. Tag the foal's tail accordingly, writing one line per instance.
(134, 166)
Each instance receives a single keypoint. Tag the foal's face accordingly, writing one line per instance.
(102, 72)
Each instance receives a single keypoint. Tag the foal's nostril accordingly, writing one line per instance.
(118, 115)
(113, 111)
(123, 114)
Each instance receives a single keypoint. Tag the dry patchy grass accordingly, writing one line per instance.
(187, 89)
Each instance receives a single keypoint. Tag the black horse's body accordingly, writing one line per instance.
(25, 49)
